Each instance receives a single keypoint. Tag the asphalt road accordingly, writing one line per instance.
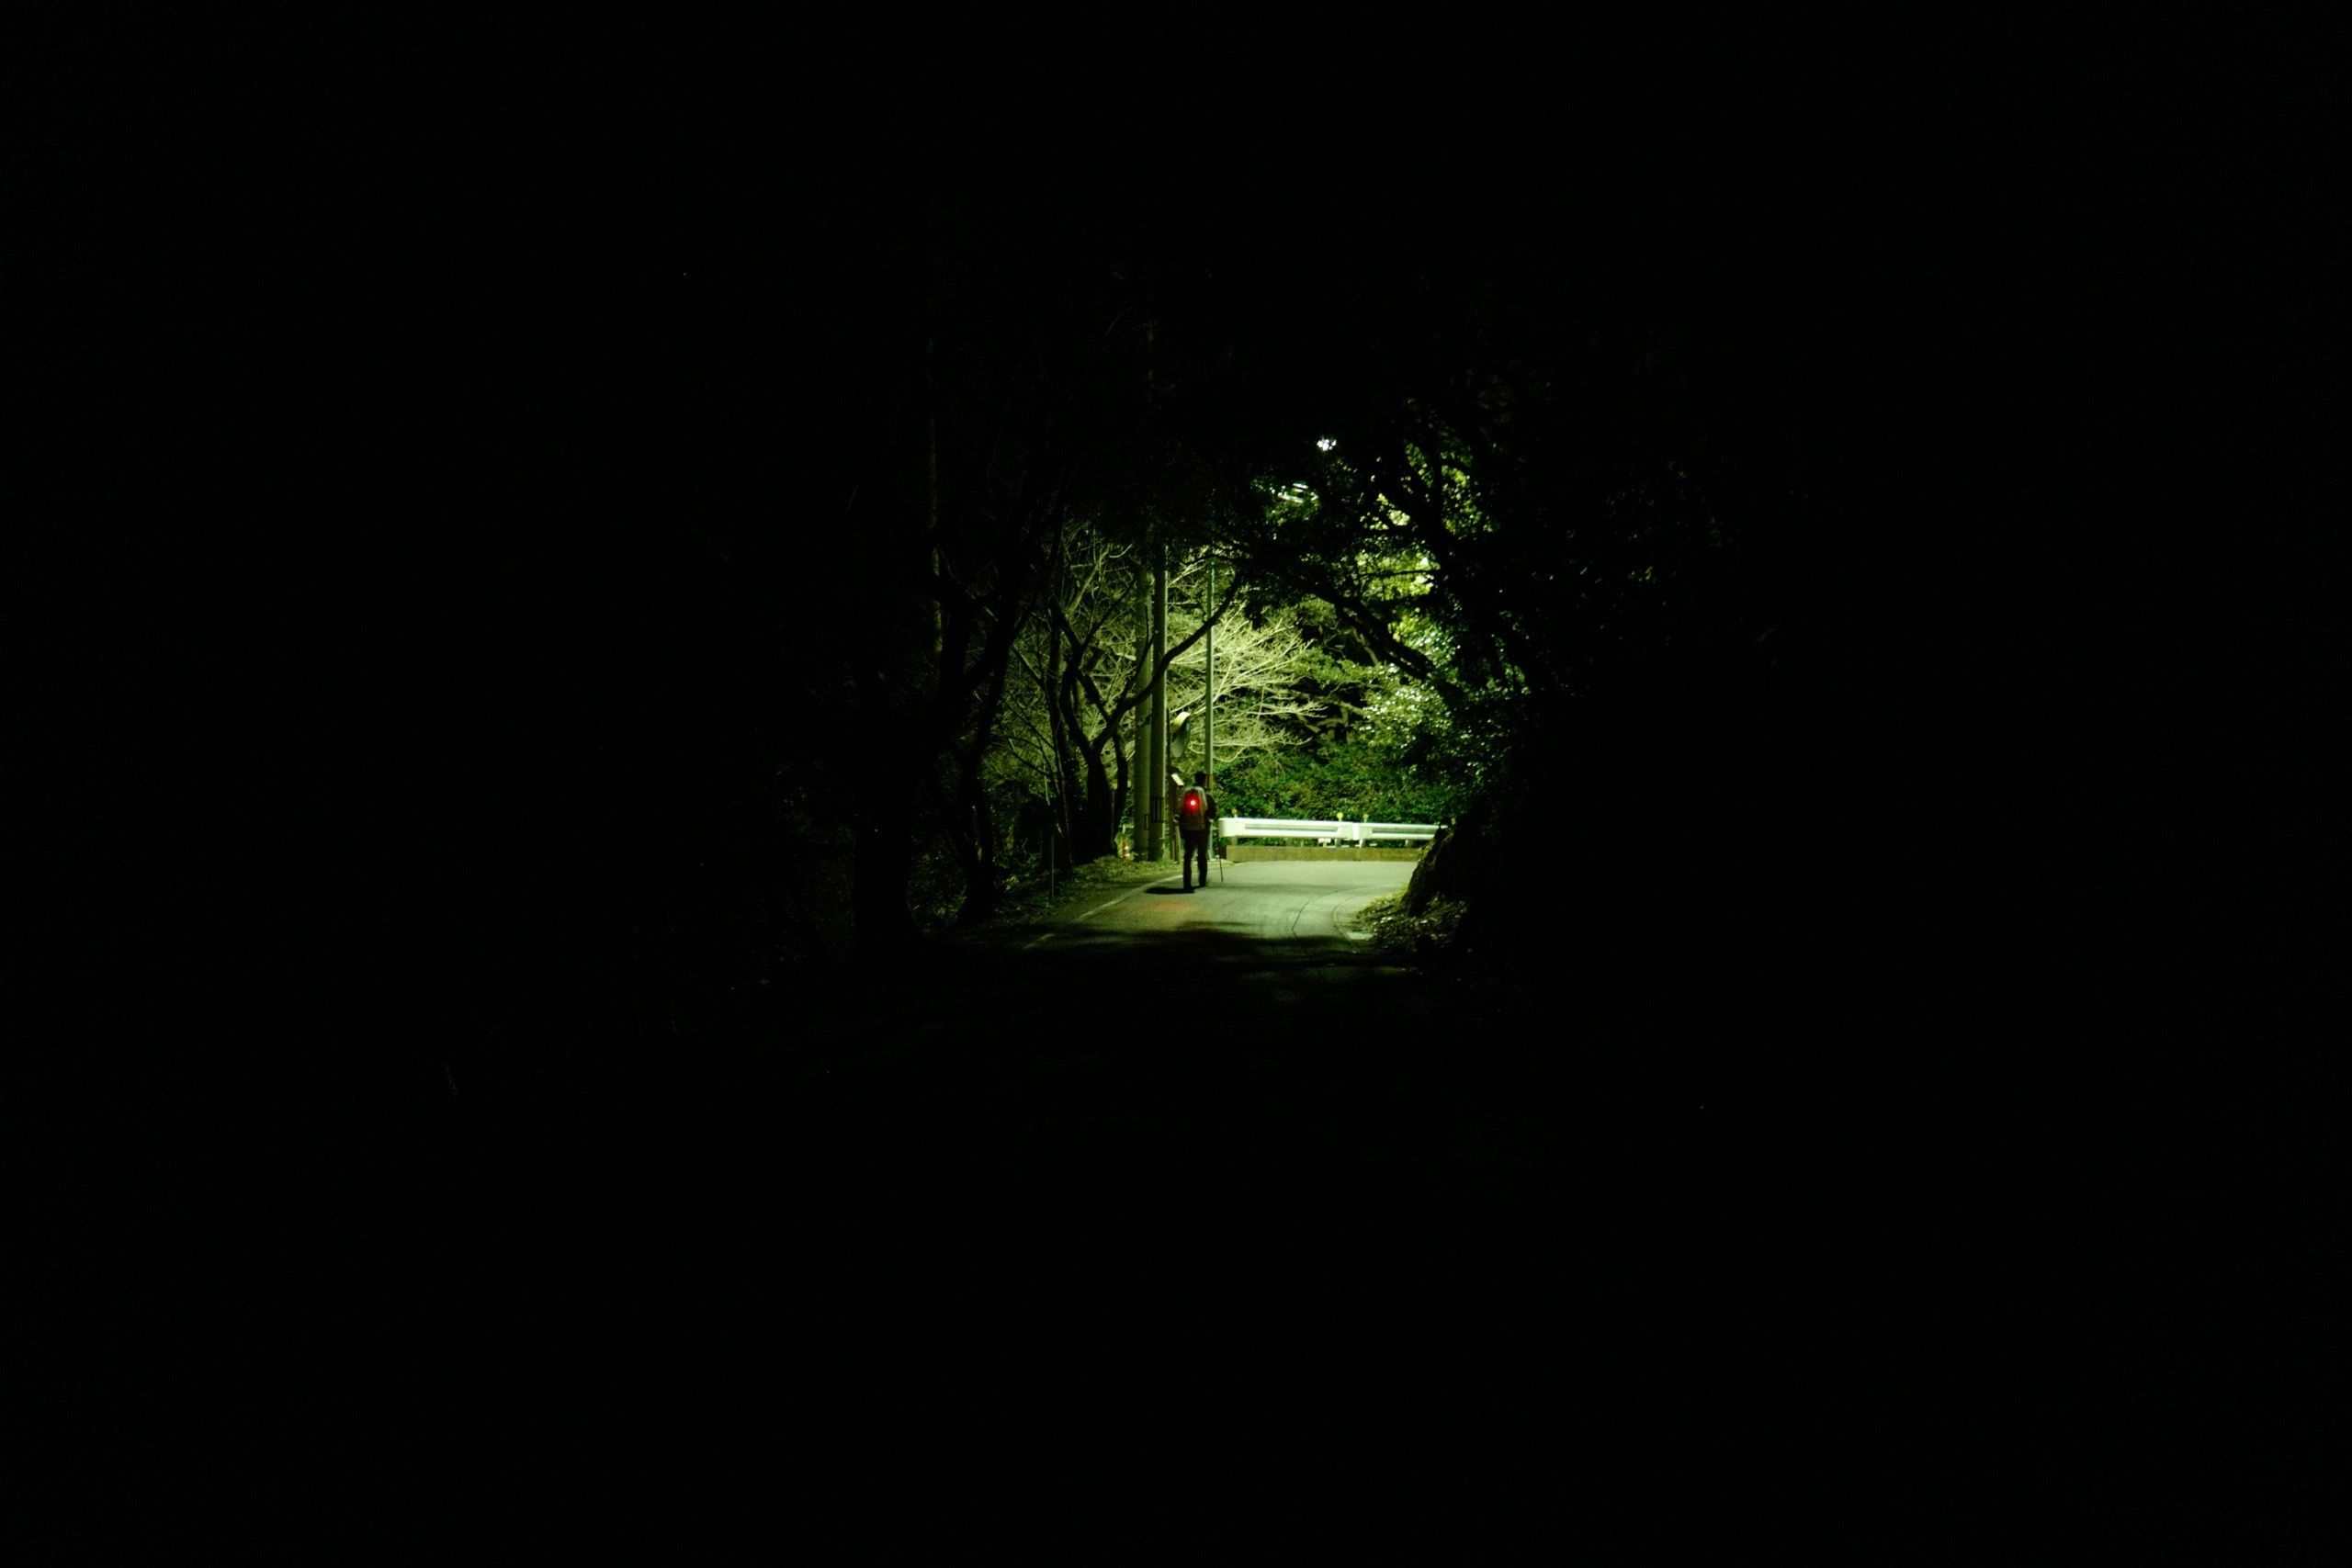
(1196, 1185)
(1173, 1201)
(1283, 902)
(1180, 1202)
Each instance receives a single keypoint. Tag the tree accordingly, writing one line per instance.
(1585, 515)
(1068, 725)
(987, 376)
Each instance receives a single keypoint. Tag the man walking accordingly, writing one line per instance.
(1195, 814)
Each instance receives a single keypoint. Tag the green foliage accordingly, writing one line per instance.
(936, 888)
(1398, 932)
(1333, 778)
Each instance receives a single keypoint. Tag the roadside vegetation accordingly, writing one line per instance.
(1398, 932)
(1541, 564)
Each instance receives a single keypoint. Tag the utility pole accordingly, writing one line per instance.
(1151, 803)
(1208, 706)
(1151, 746)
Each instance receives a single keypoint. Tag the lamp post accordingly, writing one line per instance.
(1208, 704)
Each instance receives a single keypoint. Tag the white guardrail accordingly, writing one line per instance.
(1327, 832)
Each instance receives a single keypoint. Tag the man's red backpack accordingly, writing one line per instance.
(1192, 811)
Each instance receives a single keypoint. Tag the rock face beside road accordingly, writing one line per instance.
(1452, 867)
